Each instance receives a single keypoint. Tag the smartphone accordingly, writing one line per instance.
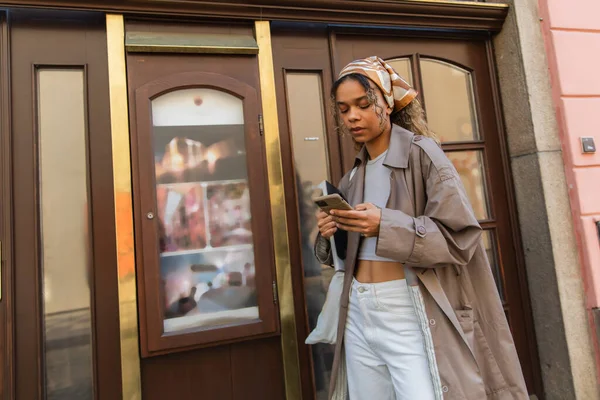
(332, 202)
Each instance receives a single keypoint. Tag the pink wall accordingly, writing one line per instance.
(571, 30)
(572, 33)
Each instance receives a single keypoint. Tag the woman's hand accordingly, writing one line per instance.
(326, 224)
(364, 219)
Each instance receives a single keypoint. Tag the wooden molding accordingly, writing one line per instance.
(445, 14)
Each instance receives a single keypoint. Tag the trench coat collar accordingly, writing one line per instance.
(398, 150)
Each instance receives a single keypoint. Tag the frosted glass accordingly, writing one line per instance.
(64, 213)
(193, 107)
(206, 246)
(403, 68)
(449, 100)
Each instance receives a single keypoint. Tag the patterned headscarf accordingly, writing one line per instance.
(396, 91)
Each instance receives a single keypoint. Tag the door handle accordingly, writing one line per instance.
(311, 139)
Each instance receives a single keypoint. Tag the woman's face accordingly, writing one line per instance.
(362, 118)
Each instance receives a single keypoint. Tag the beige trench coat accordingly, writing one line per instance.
(429, 226)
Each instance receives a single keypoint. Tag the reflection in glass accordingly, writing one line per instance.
(64, 213)
(489, 242)
(403, 68)
(308, 134)
(307, 121)
(203, 208)
(449, 99)
(469, 165)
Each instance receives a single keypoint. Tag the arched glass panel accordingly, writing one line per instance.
(449, 100)
(197, 107)
(203, 206)
(402, 67)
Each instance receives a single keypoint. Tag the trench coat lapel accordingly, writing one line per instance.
(355, 196)
(433, 286)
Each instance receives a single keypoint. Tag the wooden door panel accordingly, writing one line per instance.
(62, 41)
(299, 47)
(305, 55)
(248, 366)
(255, 370)
(470, 56)
(196, 374)
(244, 371)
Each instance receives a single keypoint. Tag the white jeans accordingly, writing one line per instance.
(385, 350)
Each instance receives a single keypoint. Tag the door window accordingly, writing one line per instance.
(457, 92)
(305, 97)
(203, 208)
(206, 250)
(65, 247)
(449, 99)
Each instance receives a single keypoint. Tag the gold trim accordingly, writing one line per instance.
(289, 345)
(119, 119)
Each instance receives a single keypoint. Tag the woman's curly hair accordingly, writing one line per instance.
(411, 117)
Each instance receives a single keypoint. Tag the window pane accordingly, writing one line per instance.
(402, 67)
(203, 204)
(305, 98)
(448, 92)
(469, 165)
(489, 242)
(307, 126)
(64, 213)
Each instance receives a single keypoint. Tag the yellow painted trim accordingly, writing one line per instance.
(119, 119)
(289, 344)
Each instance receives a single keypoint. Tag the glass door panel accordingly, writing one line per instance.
(470, 167)
(207, 270)
(403, 68)
(448, 93)
(310, 154)
(491, 248)
(65, 214)
(463, 112)
(203, 207)
(305, 98)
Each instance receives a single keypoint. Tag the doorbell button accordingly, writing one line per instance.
(588, 145)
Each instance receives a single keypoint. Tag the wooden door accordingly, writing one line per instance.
(209, 323)
(310, 154)
(65, 326)
(455, 79)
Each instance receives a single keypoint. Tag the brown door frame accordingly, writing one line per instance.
(151, 315)
(502, 158)
(235, 366)
(38, 40)
(493, 117)
(312, 60)
(6, 268)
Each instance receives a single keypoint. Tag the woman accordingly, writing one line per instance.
(420, 315)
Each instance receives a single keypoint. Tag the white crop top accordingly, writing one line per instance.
(377, 191)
